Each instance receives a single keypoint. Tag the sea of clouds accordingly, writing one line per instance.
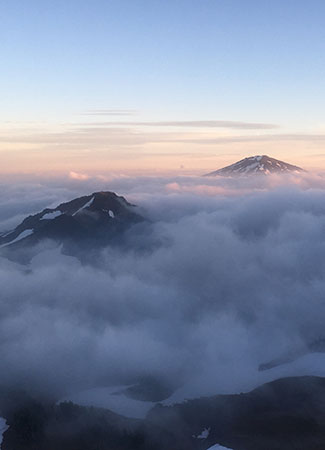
(226, 275)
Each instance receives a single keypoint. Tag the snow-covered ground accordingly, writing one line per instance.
(312, 364)
(112, 398)
(3, 427)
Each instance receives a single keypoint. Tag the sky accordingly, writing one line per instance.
(160, 85)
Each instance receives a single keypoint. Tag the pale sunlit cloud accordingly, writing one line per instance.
(78, 176)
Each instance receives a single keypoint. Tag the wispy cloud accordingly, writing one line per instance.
(80, 146)
(104, 135)
(110, 112)
(258, 138)
(201, 124)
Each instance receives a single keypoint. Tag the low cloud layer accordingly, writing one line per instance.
(223, 281)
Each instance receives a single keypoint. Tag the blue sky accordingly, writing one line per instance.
(253, 60)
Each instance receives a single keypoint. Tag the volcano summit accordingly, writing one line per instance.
(259, 164)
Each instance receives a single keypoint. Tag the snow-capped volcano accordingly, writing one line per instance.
(259, 164)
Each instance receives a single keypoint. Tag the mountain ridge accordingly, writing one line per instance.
(97, 217)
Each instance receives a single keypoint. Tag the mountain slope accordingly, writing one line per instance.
(287, 414)
(92, 219)
(259, 164)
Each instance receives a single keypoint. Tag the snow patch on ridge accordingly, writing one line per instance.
(21, 236)
(51, 215)
(204, 434)
(110, 213)
(86, 205)
(6, 233)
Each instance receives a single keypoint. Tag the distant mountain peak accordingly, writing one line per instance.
(258, 164)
